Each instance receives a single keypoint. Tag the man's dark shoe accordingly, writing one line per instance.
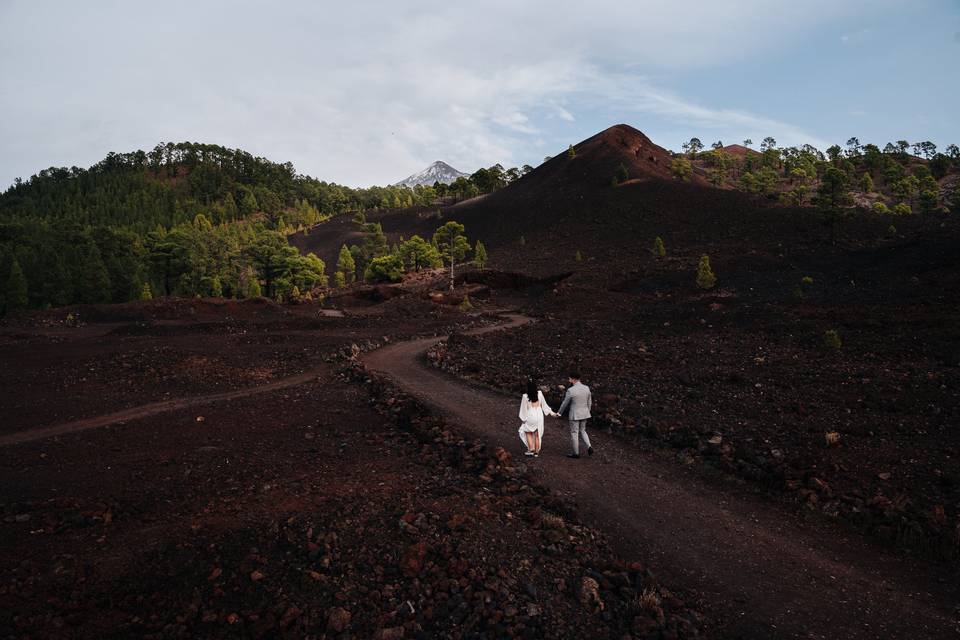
(590, 451)
(573, 455)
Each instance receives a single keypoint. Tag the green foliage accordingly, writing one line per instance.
(339, 280)
(571, 152)
(658, 249)
(879, 207)
(905, 188)
(902, 209)
(179, 219)
(452, 245)
(388, 268)
(466, 305)
(866, 182)
(705, 276)
(15, 295)
(250, 286)
(929, 199)
(806, 281)
(681, 168)
(693, 147)
(762, 182)
(831, 339)
(834, 190)
(346, 266)
(216, 289)
(416, 254)
(578, 256)
(892, 230)
(795, 196)
(480, 255)
(145, 292)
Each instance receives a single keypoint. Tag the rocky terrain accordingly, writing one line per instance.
(334, 508)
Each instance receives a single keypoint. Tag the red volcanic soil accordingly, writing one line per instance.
(740, 151)
(295, 511)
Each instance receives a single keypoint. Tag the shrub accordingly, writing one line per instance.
(571, 152)
(705, 276)
(387, 268)
(681, 168)
(831, 339)
(902, 209)
(145, 292)
(339, 280)
(892, 230)
(879, 207)
(658, 249)
(480, 255)
(806, 281)
(579, 256)
(466, 305)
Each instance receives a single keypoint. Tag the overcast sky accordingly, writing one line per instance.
(368, 92)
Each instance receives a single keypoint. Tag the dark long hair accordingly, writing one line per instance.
(532, 390)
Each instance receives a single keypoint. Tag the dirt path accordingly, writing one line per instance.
(145, 410)
(768, 573)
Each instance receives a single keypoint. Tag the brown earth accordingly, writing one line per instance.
(291, 508)
(766, 571)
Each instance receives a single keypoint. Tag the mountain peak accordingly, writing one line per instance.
(439, 171)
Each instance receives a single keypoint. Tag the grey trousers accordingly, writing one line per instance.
(578, 429)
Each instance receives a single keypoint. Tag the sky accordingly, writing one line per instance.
(364, 93)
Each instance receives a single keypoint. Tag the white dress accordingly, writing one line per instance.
(532, 417)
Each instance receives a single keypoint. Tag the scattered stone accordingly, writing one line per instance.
(338, 619)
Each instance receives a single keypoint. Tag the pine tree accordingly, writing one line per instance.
(92, 282)
(145, 292)
(831, 339)
(346, 265)
(453, 245)
(571, 152)
(339, 280)
(480, 255)
(705, 277)
(658, 249)
(866, 182)
(16, 287)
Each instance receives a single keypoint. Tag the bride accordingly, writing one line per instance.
(531, 415)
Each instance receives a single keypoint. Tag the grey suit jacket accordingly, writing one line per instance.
(579, 401)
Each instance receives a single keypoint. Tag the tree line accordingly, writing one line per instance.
(182, 219)
(373, 260)
(806, 175)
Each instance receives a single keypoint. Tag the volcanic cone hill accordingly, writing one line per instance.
(570, 205)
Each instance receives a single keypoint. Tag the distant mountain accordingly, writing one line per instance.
(439, 171)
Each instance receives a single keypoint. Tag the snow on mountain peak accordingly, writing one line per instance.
(439, 171)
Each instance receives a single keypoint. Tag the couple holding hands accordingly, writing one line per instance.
(576, 403)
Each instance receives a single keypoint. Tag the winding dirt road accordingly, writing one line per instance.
(760, 568)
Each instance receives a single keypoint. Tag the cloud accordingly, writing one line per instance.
(368, 92)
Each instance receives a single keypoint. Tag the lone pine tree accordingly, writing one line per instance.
(705, 276)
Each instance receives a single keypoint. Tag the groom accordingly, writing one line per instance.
(579, 401)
